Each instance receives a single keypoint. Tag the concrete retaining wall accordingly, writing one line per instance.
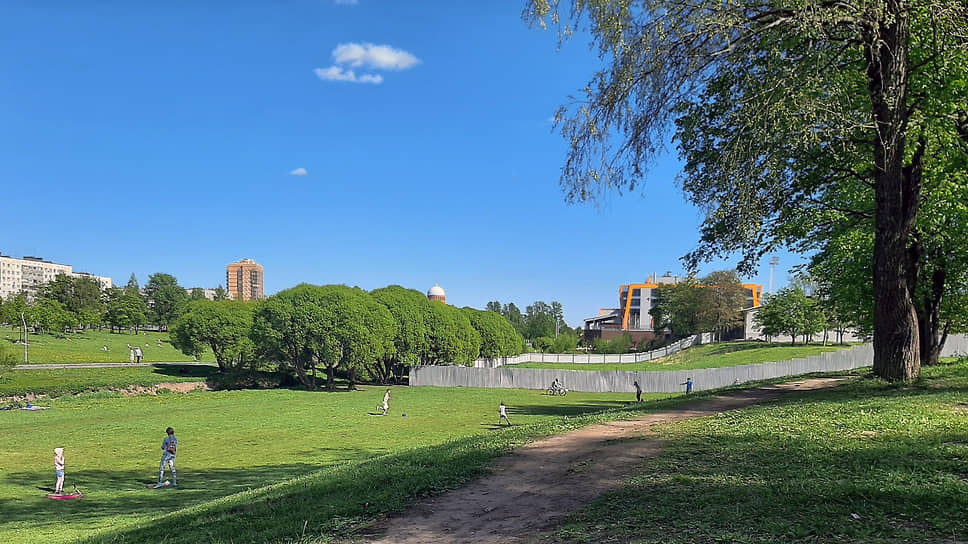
(654, 382)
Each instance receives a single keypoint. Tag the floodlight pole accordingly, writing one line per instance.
(773, 262)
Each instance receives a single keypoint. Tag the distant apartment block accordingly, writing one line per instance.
(245, 280)
(28, 273)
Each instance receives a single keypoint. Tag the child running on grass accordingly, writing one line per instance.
(168, 448)
(386, 402)
(504, 415)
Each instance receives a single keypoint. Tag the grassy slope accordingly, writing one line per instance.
(348, 464)
(85, 347)
(893, 456)
(74, 380)
(706, 356)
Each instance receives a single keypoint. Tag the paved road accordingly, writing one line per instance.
(105, 365)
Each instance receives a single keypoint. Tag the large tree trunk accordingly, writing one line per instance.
(897, 192)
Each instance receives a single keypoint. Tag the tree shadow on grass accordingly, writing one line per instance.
(551, 408)
(202, 372)
(111, 493)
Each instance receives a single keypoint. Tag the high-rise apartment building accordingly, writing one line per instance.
(245, 280)
(25, 275)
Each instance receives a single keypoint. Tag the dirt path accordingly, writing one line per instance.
(528, 491)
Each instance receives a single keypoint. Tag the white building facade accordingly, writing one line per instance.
(26, 274)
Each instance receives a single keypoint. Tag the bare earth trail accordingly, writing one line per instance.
(529, 491)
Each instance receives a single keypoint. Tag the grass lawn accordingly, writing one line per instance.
(324, 457)
(705, 356)
(56, 382)
(870, 462)
(86, 347)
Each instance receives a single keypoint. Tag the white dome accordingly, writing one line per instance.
(436, 291)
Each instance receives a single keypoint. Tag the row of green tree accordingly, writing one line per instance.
(542, 325)
(343, 331)
(69, 303)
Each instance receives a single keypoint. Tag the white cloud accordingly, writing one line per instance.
(375, 56)
(336, 73)
(299, 172)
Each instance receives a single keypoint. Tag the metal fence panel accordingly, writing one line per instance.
(654, 382)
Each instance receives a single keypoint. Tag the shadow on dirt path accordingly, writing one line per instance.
(527, 492)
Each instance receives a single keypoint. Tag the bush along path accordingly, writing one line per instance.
(528, 492)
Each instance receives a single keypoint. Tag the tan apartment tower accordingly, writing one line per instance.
(245, 280)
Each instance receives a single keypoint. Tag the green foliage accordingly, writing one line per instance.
(540, 320)
(566, 342)
(834, 95)
(619, 344)
(451, 337)
(221, 293)
(197, 293)
(513, 314)
(411, 311)
(223, 326)
(50, 315)
(543, 343)
(335, 326)
(692, 307)
(791, 312)
(125, 309)
(167, 299)
(8, 360)
(498, 336)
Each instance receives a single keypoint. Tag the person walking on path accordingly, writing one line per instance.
(688, 384)
(59, 470)
(138, 354)
(504, 415)
(638, 391)
(168, 448)
(386, 402)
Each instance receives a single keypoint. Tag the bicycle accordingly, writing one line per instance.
(557, 391)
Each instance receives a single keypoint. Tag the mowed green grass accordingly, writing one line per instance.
(705, 356)
(334, 463)
(56, 382)
(866, 463)
(86, 347)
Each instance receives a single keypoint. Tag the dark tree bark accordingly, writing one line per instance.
(931, 331)
(897, 194)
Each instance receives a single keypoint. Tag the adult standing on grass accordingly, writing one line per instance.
(59, 470)
(638, 391)
(138, 354)
(168, 448)
(504, 415)
(386, 402)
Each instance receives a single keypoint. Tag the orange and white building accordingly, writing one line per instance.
(635, 301)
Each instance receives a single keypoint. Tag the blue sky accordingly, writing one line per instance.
(367, 143)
